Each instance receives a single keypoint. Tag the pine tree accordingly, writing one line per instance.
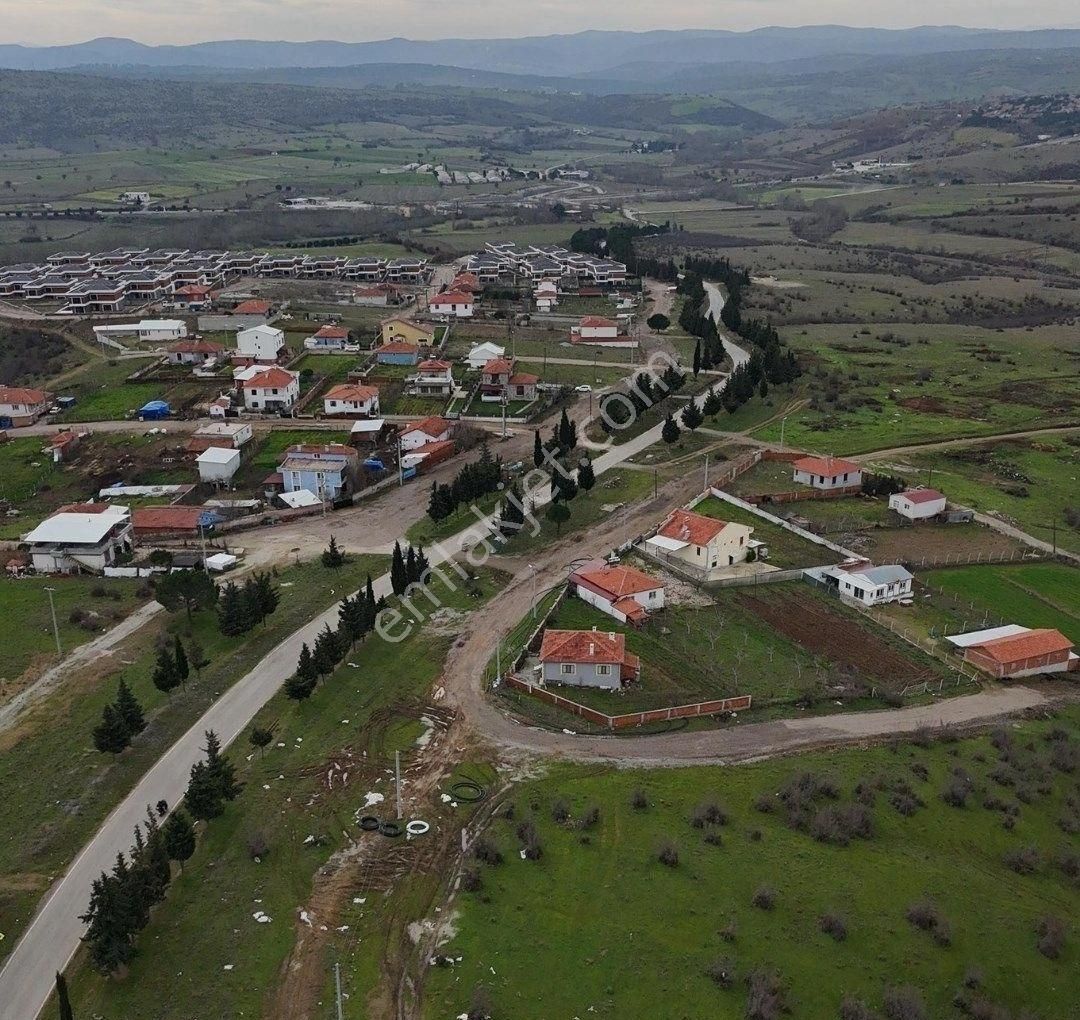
(763, 389)
(178, 835)
(410, 565)
(399, 580)
(203, 797)
(301, 685)
(269, 596)
(197, 657)
(512, 514)
(130, 881)
(326, 653)
(697, 356)
(558, 514)
(538, 449)
(157, 857)
(670, 432)
(692, 416)
(183, 670)
(260, 737)
(165, 675)
(232, 620)
(129, 709)
(564, 435)
(111, 735)
(62, 1000)
(222, 770)
(251, 604)
(586, 477)
(109, 926)
(332, 556)
(713, 405)
(192, 589)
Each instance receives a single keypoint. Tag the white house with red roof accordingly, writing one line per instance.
(434, 378)
(193, 352)
(352, 398)
(704, 543)
(918, 504)
(23, 405)
(598, 331)
(454, 304)
(329, 338)
(587, 658)
(1013, 651)
(272, 389)
(500, 380)
(827, 473)
(421, 433)
(621, 591)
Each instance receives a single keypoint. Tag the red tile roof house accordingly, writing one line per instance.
(193, 352)
(428, 430)
(434, 378)
(152, 522)
(1025, 654)
(454, 303)
(623, 592)
(702, 542)
(329, 338)
(587, 658)
(276, 389)
(351, 398)
(918, 504)
(499, 379)
(193, 295)
(598, 331)
(827, 473)
(23, 405)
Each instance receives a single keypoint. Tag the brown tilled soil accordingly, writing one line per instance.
(808, 622)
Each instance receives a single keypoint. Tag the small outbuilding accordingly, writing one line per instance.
(917, 504)
(218, 464)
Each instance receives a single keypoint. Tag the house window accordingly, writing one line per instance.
(652, 595)
(603, 670)
(567, 669)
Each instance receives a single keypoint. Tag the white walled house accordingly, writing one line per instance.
(453, 304)
(272, 389)
(217, 464)
(481, 354)
(827, 473)
(596, 327)
(421, 433)
(328, 339)
(160, 330)
(861, 582)
(917, 504)
(260, 343)
(623, 592)
(352, 398)
(702, 542)
(23, 405)
(434, 378)
(81, 537)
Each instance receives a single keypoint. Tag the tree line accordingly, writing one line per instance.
(473, 481)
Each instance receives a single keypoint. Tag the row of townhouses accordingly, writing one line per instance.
(543, 262)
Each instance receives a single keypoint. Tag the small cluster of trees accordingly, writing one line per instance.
(616, 241)
(407, 567)
(618, 408)
(121, 900)
(356, 619)
(121, 721)
(241, 608)
(474, 480)
(174, 664)
(188, 589)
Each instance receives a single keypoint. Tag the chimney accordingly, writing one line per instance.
(592, 649)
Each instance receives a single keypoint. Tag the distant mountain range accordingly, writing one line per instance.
(584, 54)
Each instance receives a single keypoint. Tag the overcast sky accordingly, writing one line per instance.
(43, 22)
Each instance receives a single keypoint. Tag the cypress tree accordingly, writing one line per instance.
(269, 596)
(538, 449)
(129, 709)
(422, 565)
(183, 670)
(221, 769)
(326, 653)
(697, 356)
(111, 735)
(231, 616)
(410, 565)
(670, 432)
(62, 1000)
(165, 675)
(399, 580)
(178, 836)
(512, 515)
(586, 477)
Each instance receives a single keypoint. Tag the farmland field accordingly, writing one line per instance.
(599, 885)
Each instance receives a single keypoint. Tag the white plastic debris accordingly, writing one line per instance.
(359, 899)
(227, 966)
(372, 799)
(261, 917)
(310, 839)
(305, 918)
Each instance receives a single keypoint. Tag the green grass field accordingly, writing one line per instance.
(59, 787)
(630, 937)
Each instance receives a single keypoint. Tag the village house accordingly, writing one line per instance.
(218, 464)
(434, 378)
(596, 327)
(587, 658)
(157, 331)
(263, 344)
(194, 296)
(623, 592)
(397, 353)
(228, 435)
(917, 504)
(330, 338)
(327, 471)
(352, 398)
(170, 522)
(22, 405)
(481, 354)
(193, 352)
(1012, 651)
(500, 380)
(453, 304)
(872, 586)
(408, 330)
(466, 282)
(827, 473)
(546, 296)
(272, 389)
(378, 296)
(421, 433)
(702, 542)
(81, 537)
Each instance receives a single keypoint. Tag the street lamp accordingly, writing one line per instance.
(56, 628)
(532, 596)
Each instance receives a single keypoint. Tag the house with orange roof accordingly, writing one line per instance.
(23, 405)
(599, 331)
(420, 433)
(272, 389)
(1013, 651)
(827, 473)
(434, 378)
(330, 338)
(454, 304)
(621, 591)
(500, 379)
(352, 398)
(587, 658)
(704, 543)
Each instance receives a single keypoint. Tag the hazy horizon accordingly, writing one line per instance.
(155, 23)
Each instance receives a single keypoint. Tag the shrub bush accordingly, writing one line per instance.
(904, 1003)
(722, 972)
(560, 811)
(766, 998)
(854, 1009)
(638, 800)
(708, 813)
(668, 854)
(1023, 860)
(955, 793)
(1051, 936)
(833, 925)
(925, 916)
(486, 851)
(764, 897)
(471, 880)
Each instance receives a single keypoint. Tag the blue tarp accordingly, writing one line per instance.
(374, 464)
(155, 409)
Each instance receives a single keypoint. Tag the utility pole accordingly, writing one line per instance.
(202, 542)
(706, 470)
(55, 627)
(337, 990)
(400, 469)
(532, 596)
(498, 658)
(1053, 532)
(504, 413)
(783, 422)
(655, 483)
(397, 782)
